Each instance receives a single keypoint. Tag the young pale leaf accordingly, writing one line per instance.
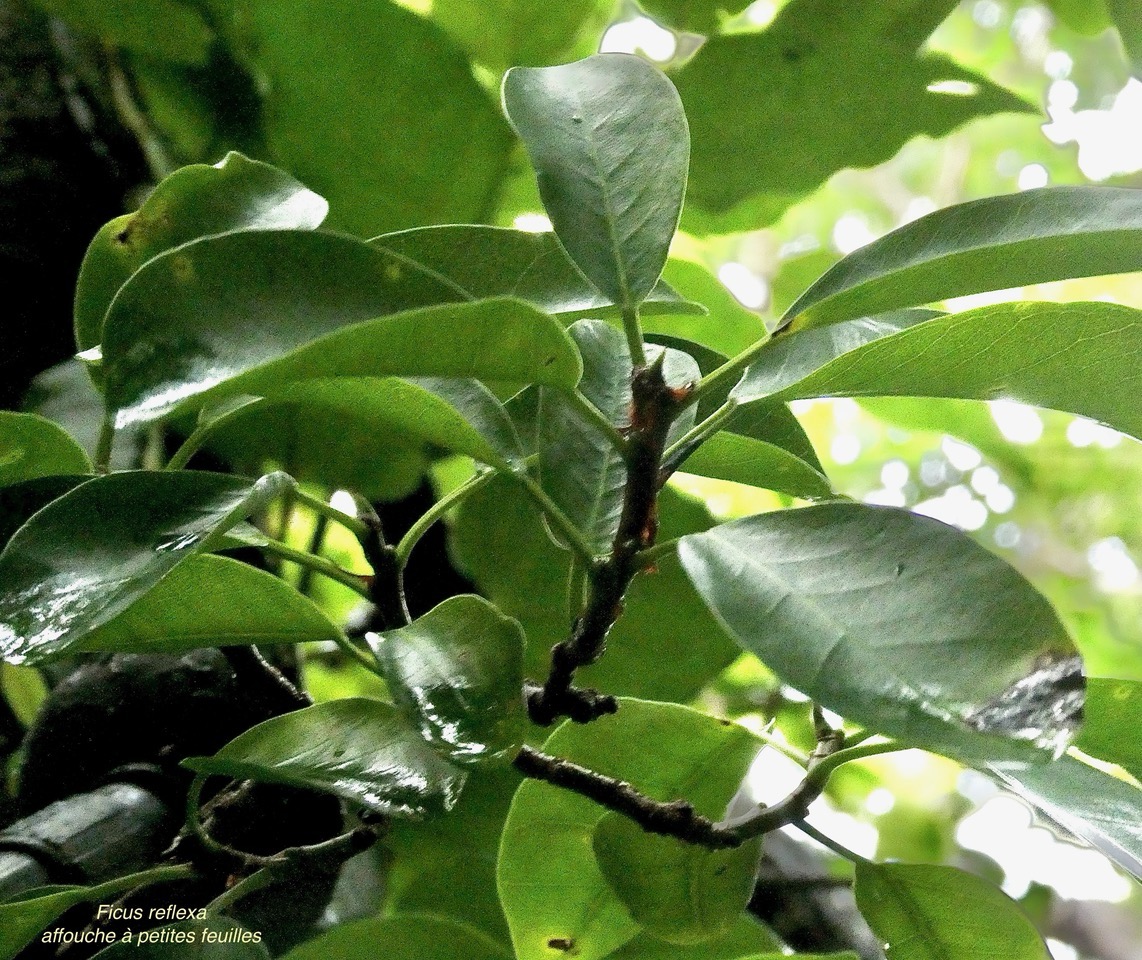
(1104, 811)
(1112, 715)
(1030, 237)
(678, 892)
(925, 912)
(852, 605)
(610, 146)
(217, 938)
(89, 555)
(32, 447)
(729, 456)
(211, 601)
(745, 938)
(404, 936)
(551, 887)
(360, 750)
(481, 262)
(456, 674)
(1061, 356)
(195, 201)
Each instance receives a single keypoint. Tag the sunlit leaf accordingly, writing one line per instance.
(32, 447)
(1111, 715)
(217, 938)
(404, 936)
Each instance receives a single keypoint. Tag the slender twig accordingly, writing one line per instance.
(323, 508)
(684, 445)
(316, 542)
(386, 589)
(632, 327)
(327, 568)
(354, 653)
(189, 447)
(594, 416)
(436, 512)
(135, 120)
(557, 518)
(651, 555)
(256, 881)
(828, 842)
(732, 369)
(104, 444)
(257, 676)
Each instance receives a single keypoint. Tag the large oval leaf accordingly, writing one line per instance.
(610, 146)
(853, 605)
(86, 557)
(217, 938)
(360, 750)
(196, 201)
(746, 938)
(554, 894)
(1111, 716)
(481, 262)
(212, 601)
(32, 447)
(990, 244)
(19, 501)
(924, 912)
(730, 456)
(310, 302)
(401, 937)
(456, 673)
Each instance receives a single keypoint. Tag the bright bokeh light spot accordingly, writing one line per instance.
(1032, 176)
(1003, 829)
(955, 88)
(1018, 422)
(643, 34)
(851, 232)
(987, 13)
(532, 223)
(1114, 569)
(1007, 535)
(1058, 65)
(845, 448)
(1000, 499)
(886, 498)
(918, 207)
(761, 13)
(880, 801)
(749, 289)
(343, 500)
(894, 474)
(1109, 141)
(984, 480)
(962, 456)
(986, 299)
(861, 838)
(772, 776)
(1082, 432)
(956, 507)
(1060, 950)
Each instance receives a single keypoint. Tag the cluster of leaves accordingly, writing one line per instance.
(227, 311)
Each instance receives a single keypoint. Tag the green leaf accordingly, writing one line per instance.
(852, 605)
(196, 201)
(481, 262)
(500, 542)
(302, 305)
(506, 33)
(218, 938)
(990, 244)
(32, 447)
(406, 936)
(358, 749)
(375, 108)
(828, 87)
(729, 456)
(1112, 714)
(1128, 19)
(679, 892)
(88, 556)
(458, 415)
(19, 501)
(608, 139)
(550, 885)
(699, 16)
(211, 602)
(746, 938)
(1102, 810)
(456, 674)
(1055, 355)
(184, 38)
(925, 912)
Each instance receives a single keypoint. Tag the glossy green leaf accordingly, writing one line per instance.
(746, 938)
(218, 938)
(990, 244)
(851, 604)
(360, 750)
(607, 137)
(19, 501)
(508, 33)
(827, 87)
(479, 262)
(1055, 355)
(88, 556)
(1102, 810)
(456, 674)
(376, 109)
(32, 446)
(302, 305)
(401, 937)
(679, 892)
(211, 602)
(185, 37)
(729, 456)
(550, 885)
(500, 541)
(925, 912)
(1112, 715)
(458, 415)
(195, 201)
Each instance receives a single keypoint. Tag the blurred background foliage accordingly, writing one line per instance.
(818, 125)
